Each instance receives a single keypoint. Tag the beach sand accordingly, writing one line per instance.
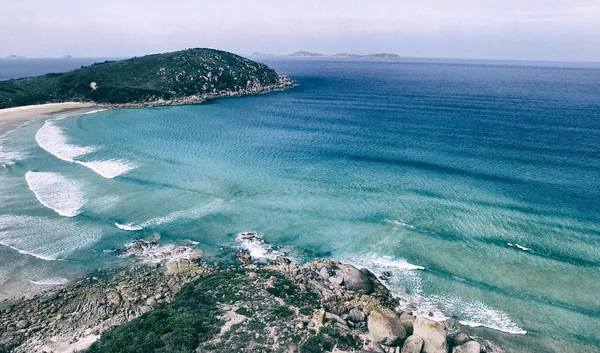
(11, 117)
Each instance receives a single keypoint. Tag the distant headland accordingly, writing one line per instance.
(308, 54)
(181, 77)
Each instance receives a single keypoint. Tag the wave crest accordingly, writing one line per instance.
(51, 138)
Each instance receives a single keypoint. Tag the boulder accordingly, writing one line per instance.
(469, 347)
(461, 338)
(356, 315)
(432, 333)
(354, 279)
(408, 322)
(386, 327)
(413, 344)
(22, 324)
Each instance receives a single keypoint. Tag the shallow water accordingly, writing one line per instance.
(476, 184)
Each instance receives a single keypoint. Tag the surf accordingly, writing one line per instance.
(51, 138)
(56, 192)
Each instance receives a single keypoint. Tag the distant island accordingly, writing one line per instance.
(305, 53)
(16, 57)
(181, 77)
(345, 55)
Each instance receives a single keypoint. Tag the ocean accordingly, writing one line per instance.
(474, 184)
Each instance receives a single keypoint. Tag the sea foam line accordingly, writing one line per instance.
(191, 213)
(50, 282)
(54, 191)
(41, 257)
(128, 226)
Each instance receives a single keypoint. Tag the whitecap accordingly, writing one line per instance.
(62, 195)
(518, 246)
(51, 138)
(129, 226)
(399, 223)
(191, 214)
(109, 169)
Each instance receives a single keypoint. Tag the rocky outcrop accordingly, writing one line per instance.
(320, 306)
(432, 333)
(386, 327)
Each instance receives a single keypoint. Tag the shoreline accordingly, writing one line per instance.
(324, 298)
(12, 117)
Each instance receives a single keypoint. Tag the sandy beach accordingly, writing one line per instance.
(11, 116)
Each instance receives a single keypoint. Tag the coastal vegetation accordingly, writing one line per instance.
(186, 76)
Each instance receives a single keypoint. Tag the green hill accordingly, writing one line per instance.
(186, 76)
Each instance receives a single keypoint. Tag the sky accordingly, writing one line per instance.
(562, 30)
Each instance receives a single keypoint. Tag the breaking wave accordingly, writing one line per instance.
(400, 275)
(109, 169)
(52, 139)
(54, 191)
(128, 226)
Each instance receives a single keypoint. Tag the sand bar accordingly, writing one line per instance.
(11, 116)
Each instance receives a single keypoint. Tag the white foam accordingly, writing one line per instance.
(191, 213)
(45, 238)
(51, 138)
(399, 223)
(402, 277)
(9, 158)
(256, 246)
(109, 169)
(50, 282)
(518, 246)
(151, 252)
(94, 111)
(62, 195)
(128, 226)
(387, 261)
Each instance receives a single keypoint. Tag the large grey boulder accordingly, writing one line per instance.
(432, 333)
(386, 327)
(469, 347)
(354, 279)
(413, 344)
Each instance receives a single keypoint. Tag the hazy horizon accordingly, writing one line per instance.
(551, 30)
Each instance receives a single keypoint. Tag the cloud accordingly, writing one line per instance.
(525, 29)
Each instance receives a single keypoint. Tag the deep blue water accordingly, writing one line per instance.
(485, 174)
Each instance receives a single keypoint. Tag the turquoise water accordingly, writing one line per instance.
(476, 184)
